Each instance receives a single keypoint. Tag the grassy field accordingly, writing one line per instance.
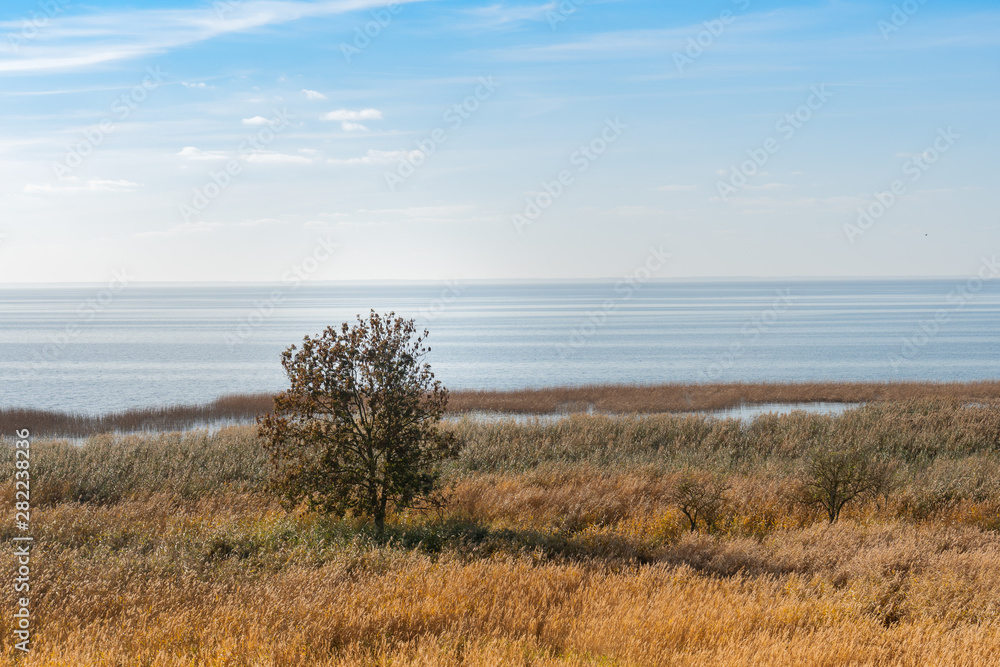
(562, 545)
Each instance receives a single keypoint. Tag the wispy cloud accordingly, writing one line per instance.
(348, 118)
(313, 94)
(73, 185)
(265, 157)
(192, 153)
(201, 227)
(374, 157)
(75, 41)
(500, 15)
(183, 228)
(348, 114)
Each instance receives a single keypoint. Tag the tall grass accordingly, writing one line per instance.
(160, 583)
(561, 546)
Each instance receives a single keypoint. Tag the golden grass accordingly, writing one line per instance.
(145, 583)
(560, 547)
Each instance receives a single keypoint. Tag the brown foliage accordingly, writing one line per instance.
(357, 431)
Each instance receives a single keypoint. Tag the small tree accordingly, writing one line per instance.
(358, 429)
(700, 498)
(835, 477)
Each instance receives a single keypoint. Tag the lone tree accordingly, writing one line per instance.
(700, 497)
(358, 430)
(835, 477)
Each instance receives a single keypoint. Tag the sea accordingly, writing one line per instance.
(98, 348)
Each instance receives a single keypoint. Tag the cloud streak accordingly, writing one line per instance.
(80, 41)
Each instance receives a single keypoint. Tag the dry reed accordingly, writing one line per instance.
(622, 399)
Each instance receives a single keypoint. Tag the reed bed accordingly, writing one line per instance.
(561, 545)
(236, 408)
(698, 397)
(619, 399)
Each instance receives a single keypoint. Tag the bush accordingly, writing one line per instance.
(837, 476)
(700, 497)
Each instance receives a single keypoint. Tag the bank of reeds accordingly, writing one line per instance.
(235, 408)
(700, 397)
(620, 399)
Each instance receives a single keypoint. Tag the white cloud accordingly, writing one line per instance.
(73, 185)
(497, 15)
(260, 222)
(638, 210)
(199, 84)
(277, 158)
(375, 157)
(313, 94)
(348, 118)
(199, 227)
(184, 228)
(453, 213)
(192, 153)
(348, 115)
(256, 120)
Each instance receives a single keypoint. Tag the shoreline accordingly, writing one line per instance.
(601, 399)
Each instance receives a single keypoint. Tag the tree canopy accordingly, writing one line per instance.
(358, 429)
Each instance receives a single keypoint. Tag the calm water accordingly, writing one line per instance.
(73, 348)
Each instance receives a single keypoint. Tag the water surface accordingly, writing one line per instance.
(162, 344)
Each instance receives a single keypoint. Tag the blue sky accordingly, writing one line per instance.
(237, 140)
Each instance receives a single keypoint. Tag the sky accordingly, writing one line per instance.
(272, 140)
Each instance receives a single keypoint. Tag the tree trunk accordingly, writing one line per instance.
(380, 514)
